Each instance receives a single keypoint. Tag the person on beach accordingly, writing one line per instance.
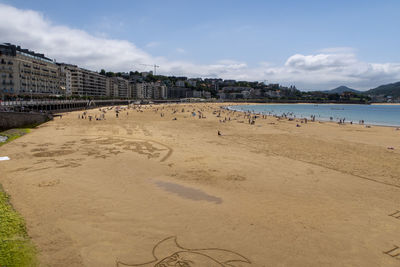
(219, 133)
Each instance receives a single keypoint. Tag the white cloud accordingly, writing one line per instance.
(320, 61)
(327, 68)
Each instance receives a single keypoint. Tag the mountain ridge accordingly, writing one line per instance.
(341, 89)
(391, 89)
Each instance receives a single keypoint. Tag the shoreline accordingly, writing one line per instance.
(321, 119)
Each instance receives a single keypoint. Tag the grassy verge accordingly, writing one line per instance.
(16, 248)
(13, 134)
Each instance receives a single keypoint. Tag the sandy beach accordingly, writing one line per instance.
(144, 189)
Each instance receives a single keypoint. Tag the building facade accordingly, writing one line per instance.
(24, 72)
(118, 87)
(159, 90)
(153, 90)
(82, 82)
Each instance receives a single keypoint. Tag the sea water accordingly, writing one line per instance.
(386, 115)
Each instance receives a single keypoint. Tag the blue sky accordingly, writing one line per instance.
(312, 44)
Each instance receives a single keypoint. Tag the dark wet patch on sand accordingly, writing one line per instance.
(187, 192)
(53, 153)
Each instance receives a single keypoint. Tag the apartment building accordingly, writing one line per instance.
(82, 82)
(118, 87)
(177, 92)
(140, 90)
(159, 91)
(153, 90)
(180, 83)
(24, 72)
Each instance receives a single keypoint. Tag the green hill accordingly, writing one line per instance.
(392, 89)
(341, 89)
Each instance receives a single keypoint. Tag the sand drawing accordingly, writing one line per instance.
(150, 148)
(395, 214)
(168, 252)
(394, 253)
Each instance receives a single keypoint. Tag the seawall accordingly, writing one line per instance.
(9, 120)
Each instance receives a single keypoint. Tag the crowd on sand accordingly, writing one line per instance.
(224, 114)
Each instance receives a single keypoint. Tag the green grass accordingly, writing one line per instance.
(13, 134)
(16, 248)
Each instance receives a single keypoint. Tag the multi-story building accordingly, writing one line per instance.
(151, 90)
(66, 77)
(159, 90)
(82, 82)
(24, 72)
(180, 83)
(193, 81)
(141, 91)
(236, 88)
(133, 89)
(118, 87)
(177, 92)
(198, 94)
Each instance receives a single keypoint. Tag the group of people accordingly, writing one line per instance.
(224, 114)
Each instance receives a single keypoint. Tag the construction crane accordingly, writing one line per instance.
(155, 67)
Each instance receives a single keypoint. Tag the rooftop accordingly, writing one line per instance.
(14, 49)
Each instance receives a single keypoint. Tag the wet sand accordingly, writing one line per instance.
(102, 193)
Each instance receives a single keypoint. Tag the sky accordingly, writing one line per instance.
(312, 44)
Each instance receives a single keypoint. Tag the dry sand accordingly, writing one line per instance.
(95, 193)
